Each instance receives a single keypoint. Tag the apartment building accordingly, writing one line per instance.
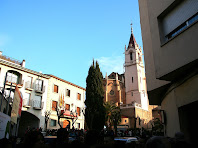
(169, 33)
(33, 88)
(69, 98)
(40, 93)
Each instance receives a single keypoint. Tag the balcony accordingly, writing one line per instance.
(37, 104)
(131, 105)
(28, 86)
(14, 80)
(26, 103)
(39, 88)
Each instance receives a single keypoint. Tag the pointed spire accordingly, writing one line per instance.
(116, 76)
(132, 41)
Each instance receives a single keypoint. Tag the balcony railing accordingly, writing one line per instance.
(130, 105)
(14, 81)
(10, 59)
(39, 88)
(37, 104)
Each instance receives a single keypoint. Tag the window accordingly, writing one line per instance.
(28, 84)
(79, 96)
(182, 26)
(11, 77)
(54, 105)
(68, 92)
(53, 122)
(176, 18)
(67, 107)
(56, 88)
(78, 111)
(37, 102)
(132, 79)
(131, 93)
(131, 56)
(111, 92)
(39, 85)
(26, 99)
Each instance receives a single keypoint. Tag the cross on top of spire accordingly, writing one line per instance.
(131, 28)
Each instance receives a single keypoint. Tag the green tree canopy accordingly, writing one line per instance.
(95, 111)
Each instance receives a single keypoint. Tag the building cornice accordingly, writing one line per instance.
(65, 81)
(18, 67)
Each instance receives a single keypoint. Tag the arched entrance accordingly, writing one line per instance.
(27, 119)
(66, 124)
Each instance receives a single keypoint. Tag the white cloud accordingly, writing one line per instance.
(111, 64)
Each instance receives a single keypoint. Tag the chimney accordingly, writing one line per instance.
(0, 53)
(23, 63)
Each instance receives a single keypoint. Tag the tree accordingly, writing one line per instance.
(95, 111)
(47, 115)
(113, 115)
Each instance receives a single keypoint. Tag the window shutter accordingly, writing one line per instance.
(179, 15)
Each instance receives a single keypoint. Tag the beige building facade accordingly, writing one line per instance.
(67, 97)
(33, 88)
(169, 33)
(40, 93)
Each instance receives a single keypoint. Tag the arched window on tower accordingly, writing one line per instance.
(131, 56)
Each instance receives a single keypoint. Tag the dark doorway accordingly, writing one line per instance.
(188, 123)
(27, 119)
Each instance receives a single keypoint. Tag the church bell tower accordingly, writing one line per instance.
(135, 80)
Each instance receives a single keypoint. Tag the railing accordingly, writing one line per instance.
(130, 105)
(39, 88)
(37, 104)
(10, 59)
(12, 79)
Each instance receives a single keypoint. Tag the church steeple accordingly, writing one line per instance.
(132, 41)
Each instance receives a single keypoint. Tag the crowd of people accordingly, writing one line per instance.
(34, 138)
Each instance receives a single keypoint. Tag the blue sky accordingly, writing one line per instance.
(62, 37)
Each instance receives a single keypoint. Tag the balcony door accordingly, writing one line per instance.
(12, 78)
(29, 82)
(37, 101)
(39, 85)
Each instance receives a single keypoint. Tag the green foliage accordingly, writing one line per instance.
(95, 111)
(113, 115)
(158, 127)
